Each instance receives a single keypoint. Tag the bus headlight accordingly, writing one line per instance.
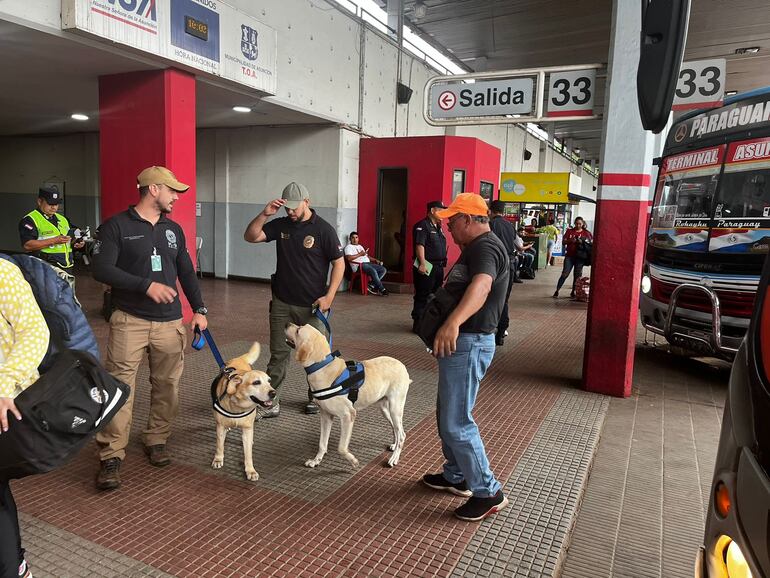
(728, 561)
(646, 284)
(737, 567)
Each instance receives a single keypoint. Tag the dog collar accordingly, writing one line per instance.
(215, 400)
(323, 363)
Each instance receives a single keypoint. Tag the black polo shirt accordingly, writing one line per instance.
(485, 254)
(123, 260)
(305, 249)
(431, 237)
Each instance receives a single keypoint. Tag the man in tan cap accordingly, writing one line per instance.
(306, 245)
(141, 253)
(464, 346)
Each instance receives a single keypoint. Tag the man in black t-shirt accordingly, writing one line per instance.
(464, 346)
(305, 245)
(506, 232)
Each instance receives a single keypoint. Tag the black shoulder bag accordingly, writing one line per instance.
(436, 312)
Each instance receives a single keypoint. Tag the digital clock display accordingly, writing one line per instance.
(196, 28)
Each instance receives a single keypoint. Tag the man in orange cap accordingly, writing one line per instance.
(464, 346)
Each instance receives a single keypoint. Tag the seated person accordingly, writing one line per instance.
(525, 252)
(532, 227)
(356, 255)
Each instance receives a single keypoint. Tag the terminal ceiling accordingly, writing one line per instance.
(54, 75)
(486, 35)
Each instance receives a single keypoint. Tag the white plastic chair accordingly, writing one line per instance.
(198, 247)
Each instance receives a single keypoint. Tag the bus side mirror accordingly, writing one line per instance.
(664, 31)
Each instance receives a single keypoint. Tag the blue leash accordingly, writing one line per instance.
(199, 342)
(325, 320)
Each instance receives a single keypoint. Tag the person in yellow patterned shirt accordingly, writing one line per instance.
(23, 344)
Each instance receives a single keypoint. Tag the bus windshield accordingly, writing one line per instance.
(684, 200)
(744, 194)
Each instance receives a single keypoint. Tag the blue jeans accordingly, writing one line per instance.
(569, 263)
(458, 383)
(375, 272)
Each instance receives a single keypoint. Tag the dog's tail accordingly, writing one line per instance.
(253, 353)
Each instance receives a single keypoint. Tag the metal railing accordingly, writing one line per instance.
(715, 343)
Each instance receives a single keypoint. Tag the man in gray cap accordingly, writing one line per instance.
(305, 245)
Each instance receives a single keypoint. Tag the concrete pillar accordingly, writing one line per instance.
(621, 217)
(147, 118)
(222, 205)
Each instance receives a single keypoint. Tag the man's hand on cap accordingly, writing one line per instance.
(273, 206)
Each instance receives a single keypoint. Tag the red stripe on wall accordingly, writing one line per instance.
(571, 113)
(624, 179)
(697, 105)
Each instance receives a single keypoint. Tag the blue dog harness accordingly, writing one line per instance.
(347, 383)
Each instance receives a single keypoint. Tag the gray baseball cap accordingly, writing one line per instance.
(294, 194)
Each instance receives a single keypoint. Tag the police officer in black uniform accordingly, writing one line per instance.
(429, 258)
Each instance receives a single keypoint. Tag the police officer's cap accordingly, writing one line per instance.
(436, 205)
(51, 195)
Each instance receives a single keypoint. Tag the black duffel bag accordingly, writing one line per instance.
(438, 308)
(60, 412)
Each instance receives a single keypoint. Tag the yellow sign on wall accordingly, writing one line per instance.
(535, 187)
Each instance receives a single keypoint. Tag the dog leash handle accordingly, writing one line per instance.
(325, 320)
(198, 343)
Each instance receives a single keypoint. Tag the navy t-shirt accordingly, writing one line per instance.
(305, 249)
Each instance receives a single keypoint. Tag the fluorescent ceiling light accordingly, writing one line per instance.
(78, 116)
(731, 93)
(241, 109)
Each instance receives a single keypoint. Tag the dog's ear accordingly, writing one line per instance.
(303, 351)
(233, 383)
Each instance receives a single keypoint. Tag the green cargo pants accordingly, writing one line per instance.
(280, 314)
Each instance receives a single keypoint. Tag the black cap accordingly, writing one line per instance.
(436, 205)
(497, 206)
(50, 195)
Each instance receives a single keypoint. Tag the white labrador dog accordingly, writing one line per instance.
(386, 382)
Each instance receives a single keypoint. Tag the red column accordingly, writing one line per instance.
(621, 222)
(147, 118)
(621, 217)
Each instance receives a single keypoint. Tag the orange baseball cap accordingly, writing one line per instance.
(467, 204)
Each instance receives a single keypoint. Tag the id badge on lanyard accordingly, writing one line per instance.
(155, 260)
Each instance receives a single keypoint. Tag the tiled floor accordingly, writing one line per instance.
(189, 520)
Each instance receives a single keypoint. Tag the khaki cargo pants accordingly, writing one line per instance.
(280, 314)
(164, 342)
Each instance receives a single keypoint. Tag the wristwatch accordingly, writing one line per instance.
(202, 311)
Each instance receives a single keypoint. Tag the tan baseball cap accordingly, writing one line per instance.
(294, 194)
(160, 176)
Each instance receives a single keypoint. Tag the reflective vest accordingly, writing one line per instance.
(47, 230)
